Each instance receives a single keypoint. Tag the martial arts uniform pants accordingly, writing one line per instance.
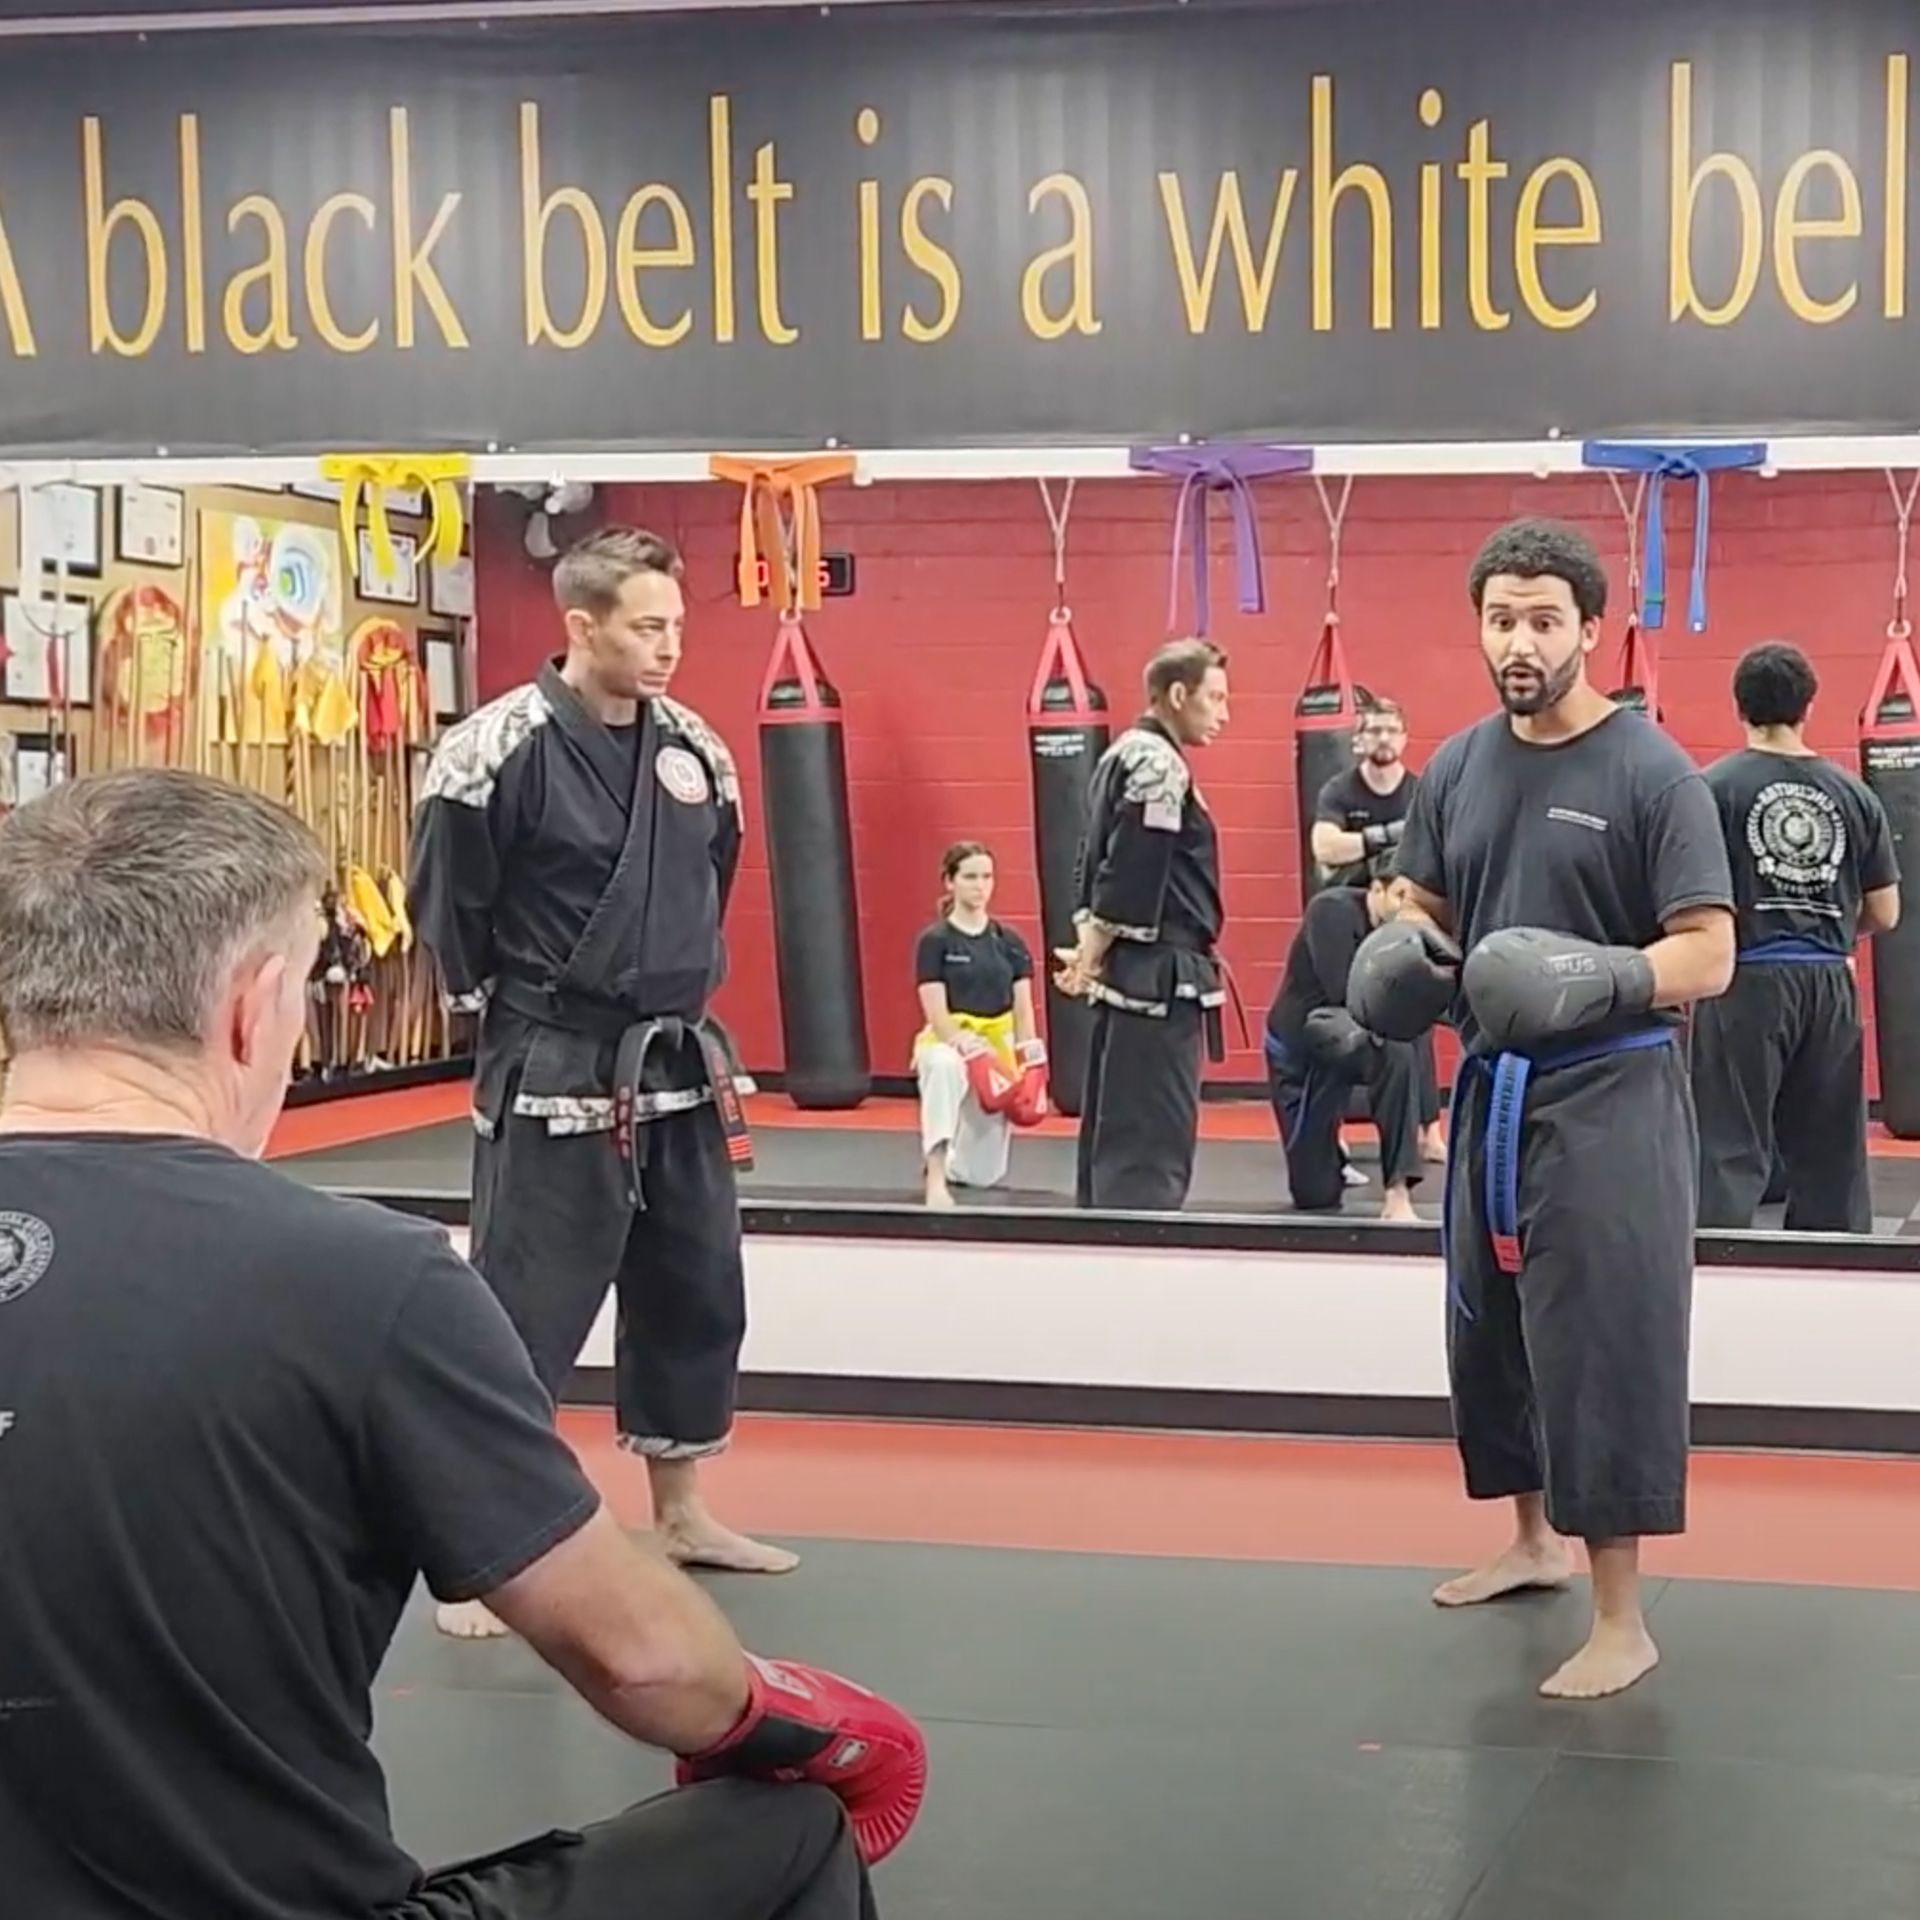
(1778, 1061)
(553, 1230)
(978, 1143)
(733, 1850)
(1569, 1375)
(1310, 1101)
(1140, 1111)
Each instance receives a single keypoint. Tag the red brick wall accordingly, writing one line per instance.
(935, 654)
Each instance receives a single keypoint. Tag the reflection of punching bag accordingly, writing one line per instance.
(1324, 718)
(1639, 684)
(816, 920)
(1067, 732)
(1890, 762)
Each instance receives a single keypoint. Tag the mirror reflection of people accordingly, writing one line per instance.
(1359, 815)
(1778, 1060)
(975, 979)
(1317, 1053)
(1149, 916)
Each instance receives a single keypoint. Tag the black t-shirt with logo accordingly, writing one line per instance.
(238, 1420)
(1806, 840)
(978, 970)
(1347, 802)
(1604, 836)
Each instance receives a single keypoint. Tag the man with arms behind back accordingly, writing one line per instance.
(242, 1418)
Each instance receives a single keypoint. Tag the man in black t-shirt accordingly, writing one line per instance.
(239, 1419)
(1362, 812)
(1780, 1056)
(1317, 1053)
(1573, 853)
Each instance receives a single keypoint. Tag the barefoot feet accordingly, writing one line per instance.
(699, 1540)
(1619, 1653)
(1526, 1566)
(469, 1620)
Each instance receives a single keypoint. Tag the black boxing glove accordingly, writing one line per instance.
(1403, 979)
(1332, 1037)
(1378, 839)
(1526, 985)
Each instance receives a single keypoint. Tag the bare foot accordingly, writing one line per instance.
(1397, 1208)
(940, 1195)
(1433, 1145)
(1618, 1654)
(1524, 1567)
(469, 1620)
(701, 1541)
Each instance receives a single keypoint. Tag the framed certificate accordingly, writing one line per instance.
(450, 588)
(440, 656)
(49, 651)
(397, 586)
(66, 524)
(152, 527)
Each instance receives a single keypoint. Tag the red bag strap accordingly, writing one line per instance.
(1328, 668)
(790, 648)
(1640, 664)
(1060, 659)
(1896, 663)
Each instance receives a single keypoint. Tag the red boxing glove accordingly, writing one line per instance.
(993, 1087)
(802, 1724)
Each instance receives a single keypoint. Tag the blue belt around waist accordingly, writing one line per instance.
(1507, 1075)
(1790, 951)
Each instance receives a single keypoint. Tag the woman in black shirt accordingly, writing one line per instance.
(975, 978)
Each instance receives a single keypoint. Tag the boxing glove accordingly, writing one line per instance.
(1333, 1038)
(993, 1086)
(1403, 979)
(1029, 1107)
(1526, 985)
(801, 1724)
(1378, 839)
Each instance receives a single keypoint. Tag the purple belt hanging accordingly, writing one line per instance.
(1202, 471)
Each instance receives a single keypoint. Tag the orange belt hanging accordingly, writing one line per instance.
(794, 577)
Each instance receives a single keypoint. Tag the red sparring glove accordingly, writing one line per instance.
(1028, 1107)
(803, 1724)
(993, 1086)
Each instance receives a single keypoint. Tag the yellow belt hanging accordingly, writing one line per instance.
(438, 475)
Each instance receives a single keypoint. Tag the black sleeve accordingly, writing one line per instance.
(1127, 885)
(930, 958)
(1019, 959)
(461, 832)
(1331, 806)
(1879, 861)
(471, 1479)
(1420, 855)
(1332, 933)
(1686, 849)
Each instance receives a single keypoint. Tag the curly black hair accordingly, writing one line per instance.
(1543, 549)
(1774, 685)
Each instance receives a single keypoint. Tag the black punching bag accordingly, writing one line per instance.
(1324, 718)
(1639, 687)
(816, 917)
(1067, 732)
(1890, 762)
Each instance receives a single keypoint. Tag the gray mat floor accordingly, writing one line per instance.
(878, 1165)
(1132, 1739)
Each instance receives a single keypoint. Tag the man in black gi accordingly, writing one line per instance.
(1780, 1056)
(1149, 919)
(241, 1418)
(1573, 852)
(1359, 815)
(573, 851)
(1317, 1053)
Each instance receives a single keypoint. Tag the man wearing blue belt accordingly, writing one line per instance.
(1778, 1060)
(1572, 853)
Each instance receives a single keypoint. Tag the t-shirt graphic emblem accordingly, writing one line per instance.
(26, 1252)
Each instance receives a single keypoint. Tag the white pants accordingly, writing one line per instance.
(978, 1143)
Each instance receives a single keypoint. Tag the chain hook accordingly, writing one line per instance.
(1631, 515)
(1336, 518)
(1900, 627)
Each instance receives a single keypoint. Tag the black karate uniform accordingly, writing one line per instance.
(1149, 873)
(1778, 1061)
(1309, 1093)
(571, 878)
(1572, 1171)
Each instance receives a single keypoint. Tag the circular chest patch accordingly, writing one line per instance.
(681, 773)
(26, 1252)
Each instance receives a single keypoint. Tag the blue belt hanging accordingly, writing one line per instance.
(1662, 464)
(1507, 1075)
(1789, 950)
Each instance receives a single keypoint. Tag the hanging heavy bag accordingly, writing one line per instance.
(1638, 688)
(1890, 764)
(1067, 732)
(1324, 718)
(816, 918)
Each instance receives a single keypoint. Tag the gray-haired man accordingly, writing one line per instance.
(244, 1417)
